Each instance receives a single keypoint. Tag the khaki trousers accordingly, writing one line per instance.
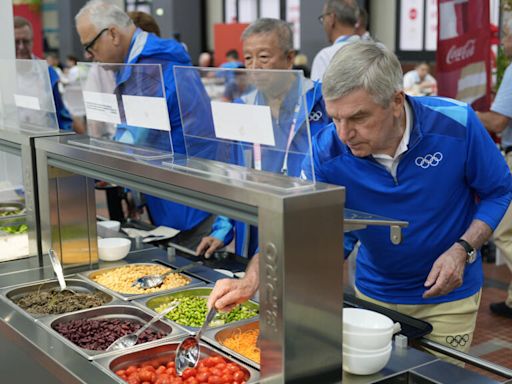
(453, 323)
(503, 237)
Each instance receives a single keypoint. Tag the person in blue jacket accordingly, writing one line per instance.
(268, 44)
(109, 36)
(24, 42)
(425, 160)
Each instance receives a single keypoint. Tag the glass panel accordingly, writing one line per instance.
(247, 118)
(26, 97)
(126, 110)
(14, 241)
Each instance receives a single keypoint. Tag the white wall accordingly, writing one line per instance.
(213, 16)
(7, 35)
(383, 21)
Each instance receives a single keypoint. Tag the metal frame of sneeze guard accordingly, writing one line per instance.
(26, 96)
(301, 280)
(126, 110)
(250, 125)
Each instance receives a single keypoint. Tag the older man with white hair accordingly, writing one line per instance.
(108, 35)
(414, 159)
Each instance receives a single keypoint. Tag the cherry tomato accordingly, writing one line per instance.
(161, 369)
(226, 378)
(215, 372)
(239, 376)
(214, 380)
(217, 359)
(189, 372)
(171, 372)
(209, 362)
(232, 367)
(163, 379)
(191, 380)
(147, 375)
(131, 369)
(171, 364)
(202, 377)
(134, 378)
(221, 366)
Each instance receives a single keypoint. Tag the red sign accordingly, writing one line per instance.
(413, 13)
(463, 51)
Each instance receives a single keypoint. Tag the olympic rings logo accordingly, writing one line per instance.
(429, 160)
(457, 340)
(315, 115)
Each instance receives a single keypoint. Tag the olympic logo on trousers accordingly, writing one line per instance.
(429, 160)
(315, 115)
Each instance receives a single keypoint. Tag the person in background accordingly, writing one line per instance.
(52, 58)
(145, 21)
(362, 25)
(205, 60)
(419, 82)
(268, 44)
(339, 19)
(71, 73)
(390, 151)
(108, 35)
(232, 60)
(499, 120)
(24, 41)
(301, 63)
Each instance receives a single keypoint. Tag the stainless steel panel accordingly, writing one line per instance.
(124, 312)
(165, 353)
(77, 285)
(154, 302)
(90, 275)
(216, 337)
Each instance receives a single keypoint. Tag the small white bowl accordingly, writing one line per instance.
(364, 351)
(364, 321)
(111, 225)
(113, 248)
(365, 364)
(367, 341)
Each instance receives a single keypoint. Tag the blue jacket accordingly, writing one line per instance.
(147, 48)
(63, 116)
(451, 174)
(273, 161)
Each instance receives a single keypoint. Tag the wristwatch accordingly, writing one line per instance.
(470, 251)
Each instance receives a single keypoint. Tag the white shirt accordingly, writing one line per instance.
(412, 78)
(391, 163)
(324, 57)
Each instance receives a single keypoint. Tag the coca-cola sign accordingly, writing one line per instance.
(456, 54)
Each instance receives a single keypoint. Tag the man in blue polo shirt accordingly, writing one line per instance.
(417, 159)
(109, 36)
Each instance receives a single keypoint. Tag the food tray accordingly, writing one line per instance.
(411, 327)
(217, 336)
(124, 312)
(89, 275)
(156, 301)
(80, 286)
(164, 352)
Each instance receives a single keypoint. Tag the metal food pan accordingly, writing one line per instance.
(217, 336)
(77, 285)
(90, 275)
(164, 353)
(123, 312)
(155, 301)
(10, 207)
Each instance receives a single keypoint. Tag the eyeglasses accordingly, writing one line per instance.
(89, 46)
(25, 42)
(322, 17)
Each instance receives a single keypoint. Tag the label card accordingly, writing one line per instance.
(146, 112)
(101, 107)
(29, 102)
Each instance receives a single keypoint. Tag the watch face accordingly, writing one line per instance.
(471, 257)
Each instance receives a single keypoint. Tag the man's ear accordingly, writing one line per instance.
(398, 103)
(290, 58)
(116, 36)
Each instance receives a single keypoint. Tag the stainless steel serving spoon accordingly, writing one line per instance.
(130, 340)
(57, 268)
(187, 354)
(152, 281)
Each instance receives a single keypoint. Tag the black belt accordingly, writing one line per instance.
(508, 149)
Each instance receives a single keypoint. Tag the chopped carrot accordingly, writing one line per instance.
(244, 343)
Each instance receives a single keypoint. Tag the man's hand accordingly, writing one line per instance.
(208, 245)
(228, 293)
(446, 273)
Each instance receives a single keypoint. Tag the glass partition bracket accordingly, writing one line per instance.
(356, 220)
(300, 334)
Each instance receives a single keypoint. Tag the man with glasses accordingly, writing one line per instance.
(339, 19)
(108, 35)
(23, 40)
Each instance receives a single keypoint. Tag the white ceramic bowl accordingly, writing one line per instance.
(365, 341)
(113, 248)
(366, 351)
(365, 364)
(360, 320)
(112, 225)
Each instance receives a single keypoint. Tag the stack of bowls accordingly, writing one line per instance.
(366, 340)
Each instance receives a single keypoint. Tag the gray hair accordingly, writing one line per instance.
(103, 14)
(268, 25)
(346, 11)
(363, 65)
